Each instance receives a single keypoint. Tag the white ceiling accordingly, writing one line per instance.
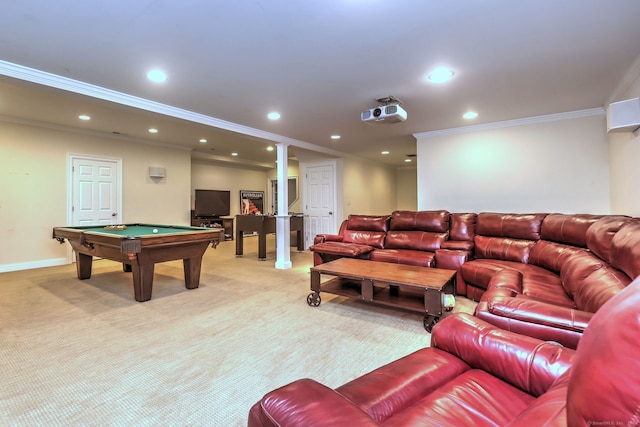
(318, 63)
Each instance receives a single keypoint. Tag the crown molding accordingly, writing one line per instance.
(511, 123)
(632, 74)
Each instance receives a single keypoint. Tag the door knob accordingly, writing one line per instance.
(114, 214)
(330, 213)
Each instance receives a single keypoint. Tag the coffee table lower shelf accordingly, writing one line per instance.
(425, 299)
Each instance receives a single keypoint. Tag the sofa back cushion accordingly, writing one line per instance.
(551, 255)
(515, 226)
(576, 269)
(625, 249)
(599, 287)
(368, 223)
(371, 238)
(601, 232)
(503, 248)
(462, 226)
(434, 221)
(416, 240)
(567, 229)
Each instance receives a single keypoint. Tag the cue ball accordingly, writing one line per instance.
(155, 230)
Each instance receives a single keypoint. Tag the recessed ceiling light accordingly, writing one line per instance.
(440, 75)
(269, 148)
(84, 117)
(234, 154)
(335, 137)
(157, 76)
(407, 160)
(384, 152)
(273, 115)
(152, 130)
(470, 115)
(203, 140)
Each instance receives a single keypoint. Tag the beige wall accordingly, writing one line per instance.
(407, 189)
(557, 166)
(214, 176)
(368, 188)
(624, 149)
(33, 188)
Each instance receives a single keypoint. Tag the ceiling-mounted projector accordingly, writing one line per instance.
(388, 112)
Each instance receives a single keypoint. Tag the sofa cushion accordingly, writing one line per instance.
(371, 238)
(404, 256)
(368, 222)
(576, 269)
(516, 226)
(457, 245)
(601, 232)
(416, 374)
(466, 401)
(479, 272)
(462, 226)
(543, 285)
(625, 249)
(568, 229)
(351, 250)
(503, 248)
(551, 255)
(417, 240)
(599, 287)
(550, 407)
(536, 282)
(436, 221)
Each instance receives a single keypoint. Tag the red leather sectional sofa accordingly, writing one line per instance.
(543, 275)
(476, 374)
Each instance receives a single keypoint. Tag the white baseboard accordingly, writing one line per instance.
(5, 268)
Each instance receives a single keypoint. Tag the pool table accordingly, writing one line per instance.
(139, 247)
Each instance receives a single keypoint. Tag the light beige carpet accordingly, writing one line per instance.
(85, 353)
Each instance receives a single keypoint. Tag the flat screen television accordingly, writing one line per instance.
(213, 203)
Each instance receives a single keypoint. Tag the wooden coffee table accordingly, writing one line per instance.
(422, 289)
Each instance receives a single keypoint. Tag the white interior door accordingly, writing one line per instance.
(95, 191)
(320, 200)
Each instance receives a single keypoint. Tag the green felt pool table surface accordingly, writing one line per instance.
(138, 230)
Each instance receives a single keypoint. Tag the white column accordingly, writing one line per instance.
(283, 222)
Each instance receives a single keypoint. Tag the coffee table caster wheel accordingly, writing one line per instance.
(313, 299)
(430, 321)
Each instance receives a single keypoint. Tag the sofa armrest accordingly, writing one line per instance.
(321, 238)
(458, 245)
(538, 319)
(452, 260)
(539, 312)
(527, 363)
(308, 403)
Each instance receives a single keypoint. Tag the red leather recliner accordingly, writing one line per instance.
(477, 374)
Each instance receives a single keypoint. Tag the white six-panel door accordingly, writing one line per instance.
(94, 191)
(319, 201)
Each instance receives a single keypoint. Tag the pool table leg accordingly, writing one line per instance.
(192, 267)
(142, 281)
(83, 265)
